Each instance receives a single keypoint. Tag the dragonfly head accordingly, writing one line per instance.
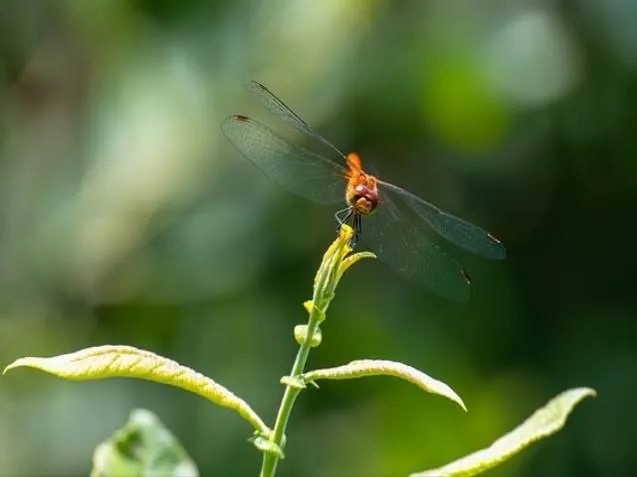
(362, 196)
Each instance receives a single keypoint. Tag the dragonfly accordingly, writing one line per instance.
(397, 222)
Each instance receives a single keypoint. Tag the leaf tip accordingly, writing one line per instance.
(16, 364)
(450, 394)
(579, 394)
(345, 233)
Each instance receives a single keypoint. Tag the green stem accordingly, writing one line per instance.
(325, 282)
(270, 460)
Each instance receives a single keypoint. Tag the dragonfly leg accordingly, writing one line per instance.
(348, 215)
(342, 216)
(357, 226)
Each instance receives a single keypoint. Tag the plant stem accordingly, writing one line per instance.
(325, 282)
(270, 460)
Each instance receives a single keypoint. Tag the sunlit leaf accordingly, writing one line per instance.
(335, 253)
(378, 367)
(544, 422)
(143, 447)
(351, 260)
(127, 362)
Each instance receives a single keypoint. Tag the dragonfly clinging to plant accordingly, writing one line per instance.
(394, 219)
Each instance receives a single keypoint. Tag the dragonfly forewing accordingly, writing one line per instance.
(299, 170)
(282, 110)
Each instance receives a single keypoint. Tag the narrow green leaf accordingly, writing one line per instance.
(351, 260)
(334, 255)
(143, 447)
(544, 422)
(108, 361)
(380, 367)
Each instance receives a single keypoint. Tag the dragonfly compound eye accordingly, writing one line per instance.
(364, 199)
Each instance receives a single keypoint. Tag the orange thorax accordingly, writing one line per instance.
(362, 188)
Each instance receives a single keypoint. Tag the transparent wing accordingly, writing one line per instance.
(399, 243)
(454, 229)
(278, 107)
(303, 172)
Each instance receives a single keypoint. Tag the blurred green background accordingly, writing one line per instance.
(127, 218)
